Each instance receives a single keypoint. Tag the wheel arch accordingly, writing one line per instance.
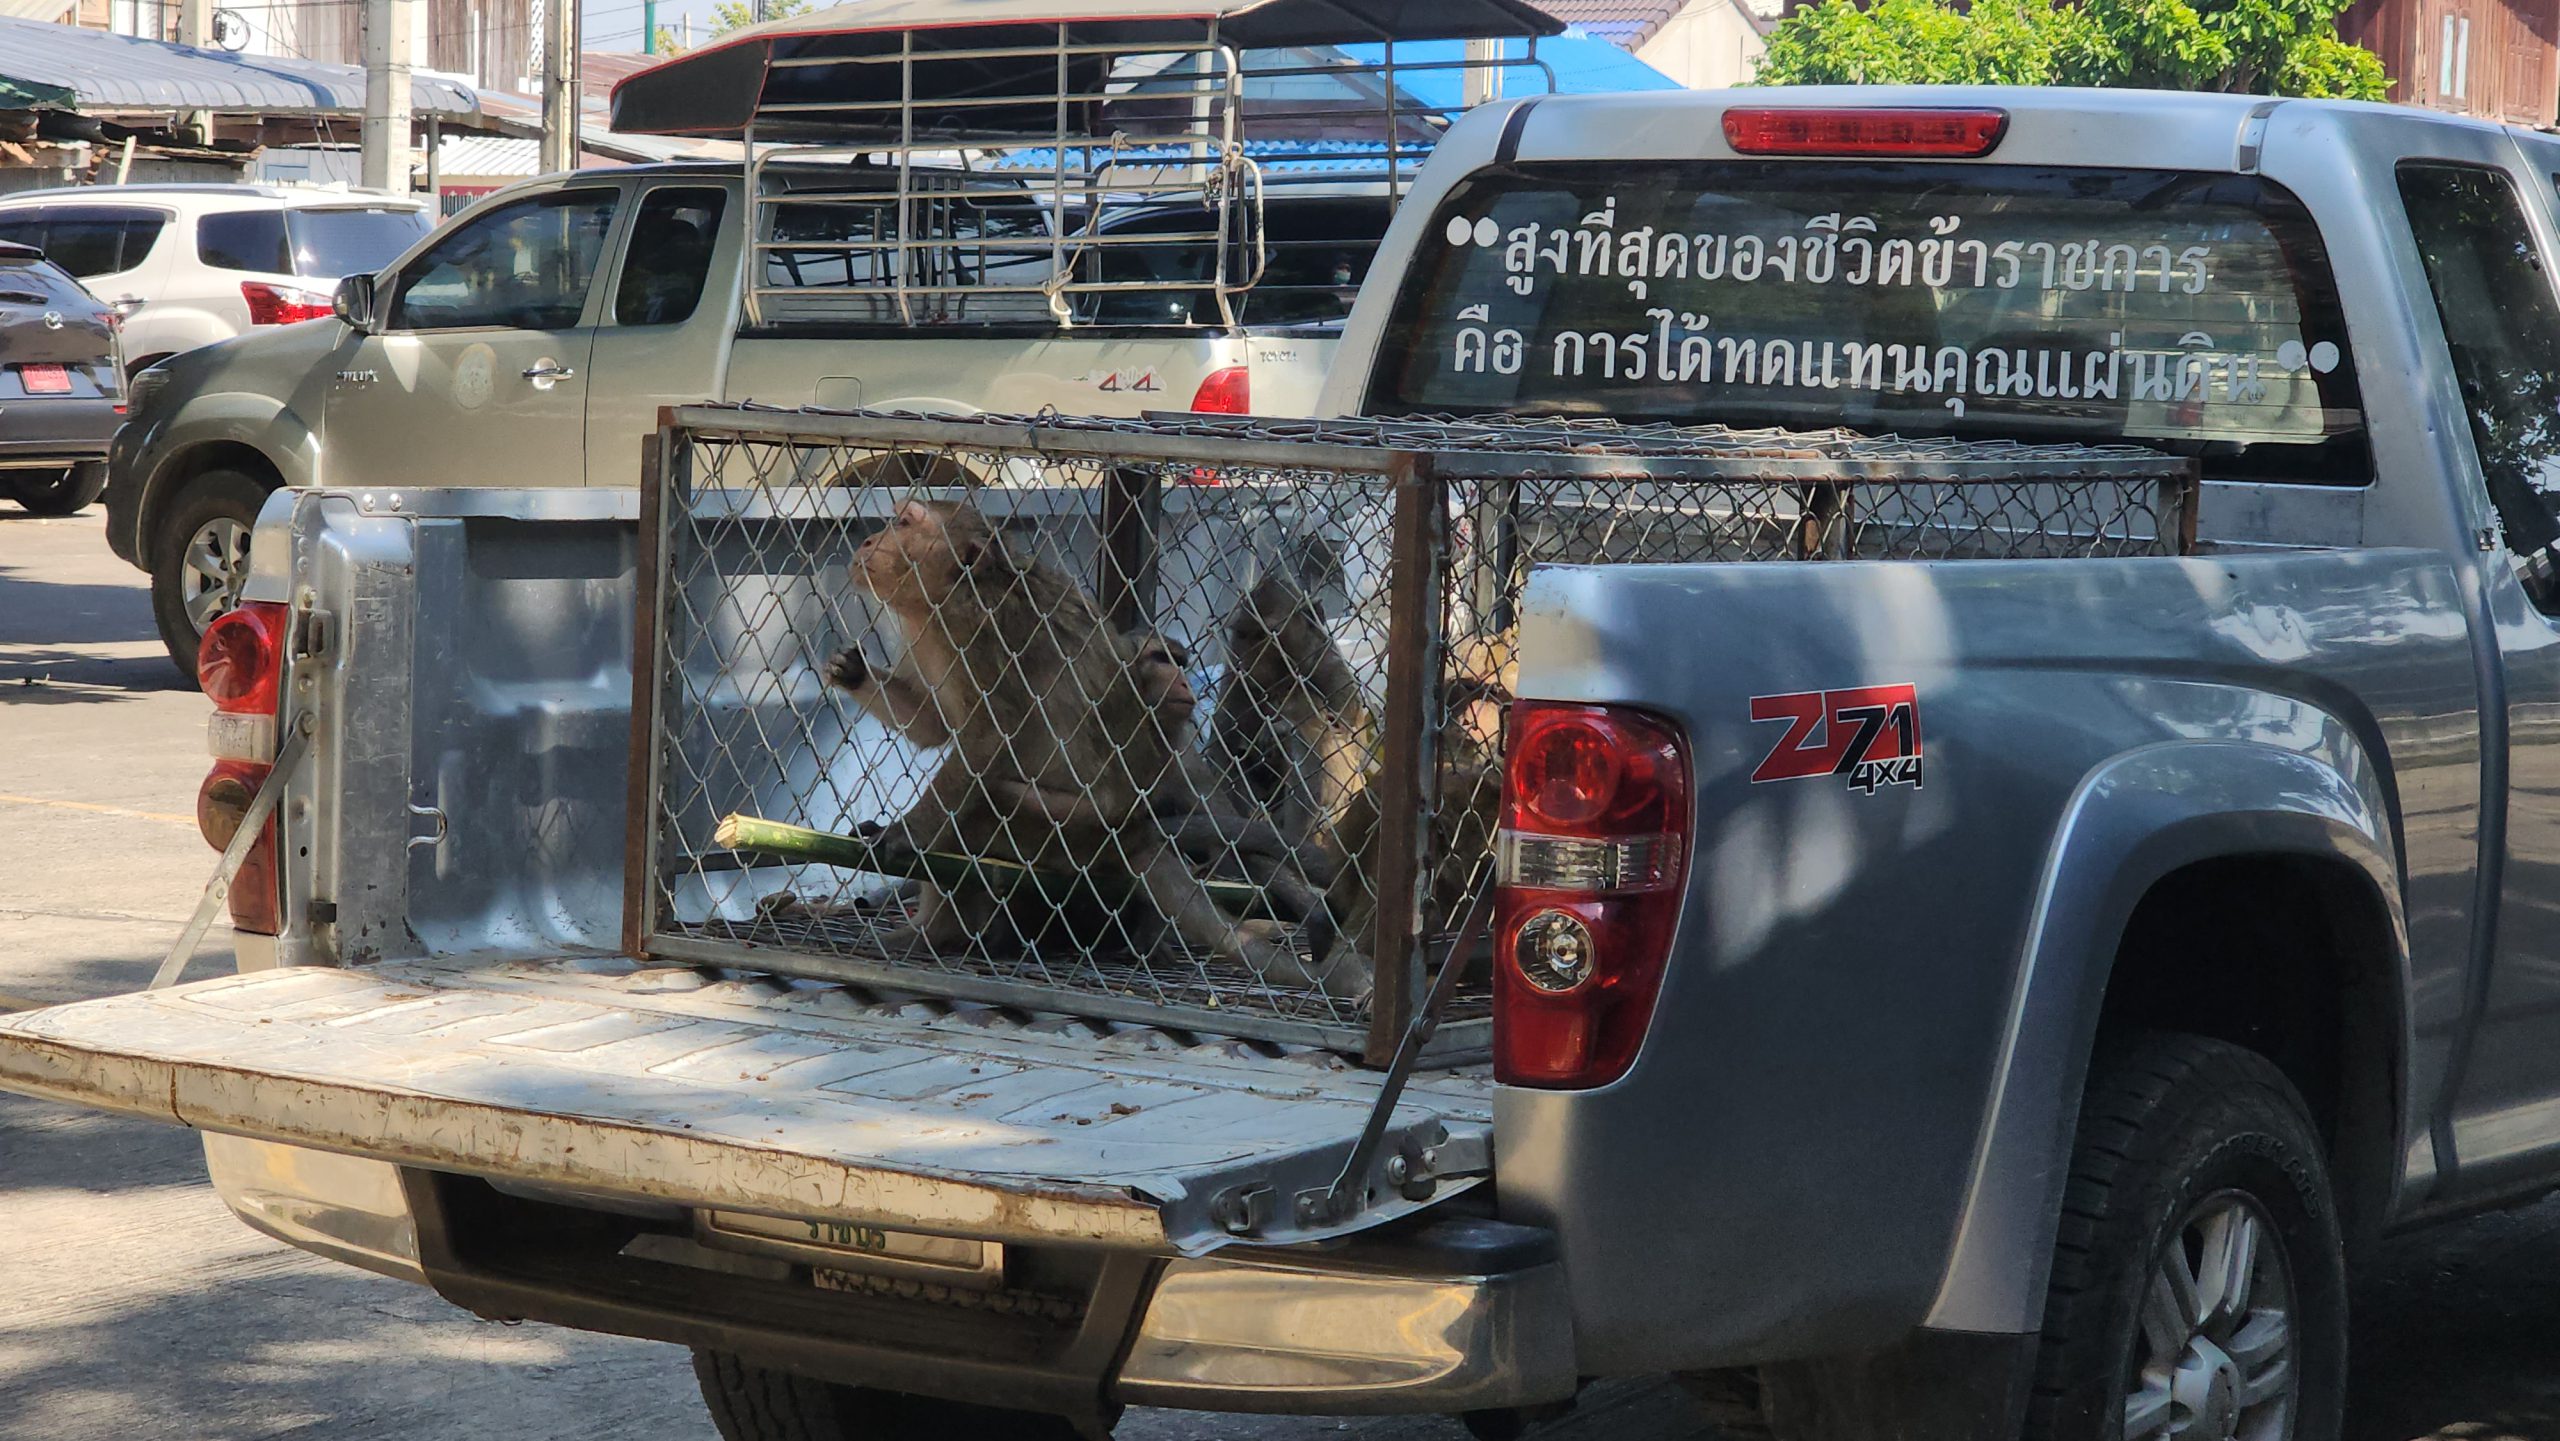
(169, 481)
(2304, 840)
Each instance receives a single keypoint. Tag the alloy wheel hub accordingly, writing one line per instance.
(2213, 1356)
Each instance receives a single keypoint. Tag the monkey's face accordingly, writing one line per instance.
(1161, 669)
(915, 562)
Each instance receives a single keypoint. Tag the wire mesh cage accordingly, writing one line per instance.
(1191, 722)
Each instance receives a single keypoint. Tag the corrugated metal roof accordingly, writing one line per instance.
(522, 115)
(487, 155)
(1624, 23)
(46, 66)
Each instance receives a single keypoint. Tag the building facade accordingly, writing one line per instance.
(2497, 59)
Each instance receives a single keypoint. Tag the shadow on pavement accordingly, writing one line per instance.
(49, 631)
(138, 1308)
(2457, 1333)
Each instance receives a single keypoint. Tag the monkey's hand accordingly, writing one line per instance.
(848, 670)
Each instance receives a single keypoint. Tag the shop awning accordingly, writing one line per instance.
(62, 67)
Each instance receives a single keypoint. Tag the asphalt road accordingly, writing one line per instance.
(132, 1308)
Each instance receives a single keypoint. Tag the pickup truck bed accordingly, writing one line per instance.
(595, 1074)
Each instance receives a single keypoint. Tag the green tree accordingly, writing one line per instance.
(2263, 47)
(731, 15)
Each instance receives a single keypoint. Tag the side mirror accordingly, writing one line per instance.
(353, 303)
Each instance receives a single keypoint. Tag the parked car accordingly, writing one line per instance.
(61, 390)
(187, 265)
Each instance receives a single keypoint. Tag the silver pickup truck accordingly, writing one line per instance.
(2017, 852)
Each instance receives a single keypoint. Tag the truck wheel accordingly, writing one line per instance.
(1730, 1401)
(67, 491)
(200, 557)
(2199, 1280)
(756, 1403)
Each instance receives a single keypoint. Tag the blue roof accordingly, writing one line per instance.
(1583, 65)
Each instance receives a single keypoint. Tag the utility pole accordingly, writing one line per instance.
(195, 30)
(387, 139)
(648, 27)
(1483, 72)
(559, 85)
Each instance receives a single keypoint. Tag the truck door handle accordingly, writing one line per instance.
(546, 372)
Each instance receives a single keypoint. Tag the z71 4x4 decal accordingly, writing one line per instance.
(1870, 734)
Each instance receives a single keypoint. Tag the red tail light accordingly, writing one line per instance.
(241, 658)
(240, 664)
(1595, 843)
(1910, 130)
(282, 305)
(1227, 391)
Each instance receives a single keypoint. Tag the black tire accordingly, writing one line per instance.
(1731, 1403)
(756, 1403)
(67, 491)
(210, 499)
(2199, 1145)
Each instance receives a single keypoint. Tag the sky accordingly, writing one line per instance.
(615, 24)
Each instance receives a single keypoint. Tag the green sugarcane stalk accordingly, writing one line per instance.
(758, 836)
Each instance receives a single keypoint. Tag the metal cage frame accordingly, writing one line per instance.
(1436, 477)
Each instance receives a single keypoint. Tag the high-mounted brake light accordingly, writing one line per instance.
(1227, 391)
(282, 305)
(1900, 131)
(1594, 845)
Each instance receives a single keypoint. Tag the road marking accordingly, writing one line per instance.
(95, 809)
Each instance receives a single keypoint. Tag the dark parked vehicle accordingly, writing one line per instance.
(61, 388)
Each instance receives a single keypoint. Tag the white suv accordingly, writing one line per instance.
(187, 265)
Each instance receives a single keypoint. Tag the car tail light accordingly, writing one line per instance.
(1227, 391)
(240, 664)
(222, 803)
(282, 305)
(1909, 130)
(1594, 845)
(241, 658)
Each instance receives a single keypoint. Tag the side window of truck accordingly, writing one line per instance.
(2501, 325)
(670, 256)
(525, 266)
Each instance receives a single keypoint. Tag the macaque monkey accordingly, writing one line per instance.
(1292, 726)
(1058, 754)
(1191, 806)
(1464, 810)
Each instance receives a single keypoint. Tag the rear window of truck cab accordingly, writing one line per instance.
(2193, 312)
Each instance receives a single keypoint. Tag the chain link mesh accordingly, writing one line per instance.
(1120, 752)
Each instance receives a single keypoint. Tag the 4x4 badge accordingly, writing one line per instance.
(1871, 735)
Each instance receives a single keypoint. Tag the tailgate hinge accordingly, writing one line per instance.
(1427, 1152)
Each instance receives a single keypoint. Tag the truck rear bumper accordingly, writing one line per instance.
(1281, 1336)
(1458, 1315)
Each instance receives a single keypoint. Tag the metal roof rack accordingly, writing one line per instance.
(981, 162)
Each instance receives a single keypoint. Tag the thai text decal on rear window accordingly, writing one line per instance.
(2096, 304)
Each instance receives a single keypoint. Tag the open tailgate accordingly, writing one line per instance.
(796, 1099)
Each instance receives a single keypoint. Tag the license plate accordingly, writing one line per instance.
(858, 1248)
(45, 379)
